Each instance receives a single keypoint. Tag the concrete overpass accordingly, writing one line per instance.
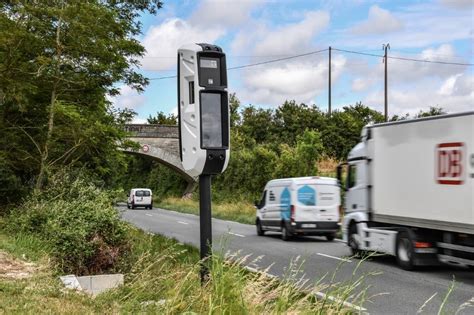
(159, 142)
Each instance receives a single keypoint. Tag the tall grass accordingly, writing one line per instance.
(240, 211)
(162, 277)
(231, 289)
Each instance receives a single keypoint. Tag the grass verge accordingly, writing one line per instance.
(161, 276)
(238, 211)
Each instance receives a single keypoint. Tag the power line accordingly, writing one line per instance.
(432, 61)
(277, 60)
(163, 78)
(405, 59)
(337, 49)
(257, 63)
(358, 53)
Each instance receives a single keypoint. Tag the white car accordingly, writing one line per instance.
(140, 197)
(300, 206)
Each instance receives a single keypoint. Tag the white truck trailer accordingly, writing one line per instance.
(410, 191)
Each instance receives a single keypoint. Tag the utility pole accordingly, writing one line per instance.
(329, 87)
(385, 60)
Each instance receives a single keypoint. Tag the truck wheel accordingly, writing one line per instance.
(260, 231)
(285, 234)
(128, 206)
(404, 251)
(330, 237)
(352, 241)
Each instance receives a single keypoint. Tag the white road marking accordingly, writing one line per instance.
(182, 222)
(150, 215)
(329, 256)
(345, 303)
(239, 235)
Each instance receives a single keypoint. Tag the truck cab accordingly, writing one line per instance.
(409, 191)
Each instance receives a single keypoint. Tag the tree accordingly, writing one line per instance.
(234, 104)
(58, 62)
(163, 119)
(433, 111)
(293, 119)
(257, 124)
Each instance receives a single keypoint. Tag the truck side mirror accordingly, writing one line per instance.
(256, 204)
(339, 176)
(339, 173)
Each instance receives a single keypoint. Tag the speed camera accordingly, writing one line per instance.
(203, 109)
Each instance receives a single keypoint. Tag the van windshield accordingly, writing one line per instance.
(142, 193)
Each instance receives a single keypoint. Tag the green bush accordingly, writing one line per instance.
(79, 222)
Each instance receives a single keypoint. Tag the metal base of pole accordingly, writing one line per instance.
(205, 224)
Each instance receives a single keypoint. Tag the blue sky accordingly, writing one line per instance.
(251, 31)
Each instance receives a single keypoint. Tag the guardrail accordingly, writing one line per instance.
(152, 131)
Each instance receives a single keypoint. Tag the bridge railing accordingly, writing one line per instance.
(152, 131)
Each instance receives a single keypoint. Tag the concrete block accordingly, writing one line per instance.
(93, 285)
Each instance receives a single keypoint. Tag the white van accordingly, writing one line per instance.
(140, 197)
(300, 206)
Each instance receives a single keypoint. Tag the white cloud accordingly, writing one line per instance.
(450, 94)
(424, 24)
(360, 84)
(295, 80)
(415, 86)
(162, 42)
(294, 37)
(447, 87)
(403, 72)
(458, 4)
(209, 22)
(379, 21)
(262, 39)
(464, 85)
(128, 98)
(223, 13)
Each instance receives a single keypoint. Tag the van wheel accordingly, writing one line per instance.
(128, 206)
(285, 234)
(330, 237)
(405, 251)
(260, 231)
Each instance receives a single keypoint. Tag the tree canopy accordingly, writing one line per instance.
(59, 60)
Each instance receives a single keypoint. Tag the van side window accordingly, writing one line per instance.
(262, 201)
(351, 176)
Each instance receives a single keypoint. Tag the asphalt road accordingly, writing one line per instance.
(390, 290)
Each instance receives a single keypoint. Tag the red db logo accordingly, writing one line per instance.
(449, 163)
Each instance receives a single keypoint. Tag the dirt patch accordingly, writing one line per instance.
(11, 268)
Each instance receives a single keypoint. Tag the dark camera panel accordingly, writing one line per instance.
(209, 72)
(211, 120)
